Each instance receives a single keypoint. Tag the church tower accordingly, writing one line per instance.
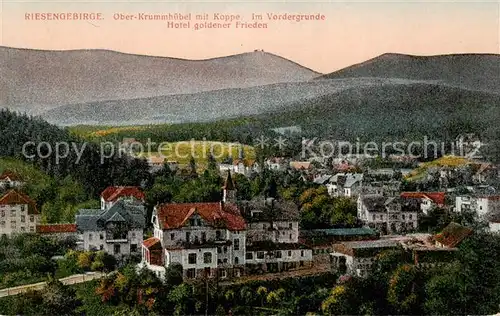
(229, 190)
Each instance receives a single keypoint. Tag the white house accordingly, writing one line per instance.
(118, 229)
(494, 224)
(10, 180)
(479, 204)
(277, 163)
(388, 214)
(114, 193)
(18, 214)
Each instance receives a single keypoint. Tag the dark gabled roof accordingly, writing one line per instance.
(436, 197)
(453, 234)
(281, 210)
(374, 202)
(122, 211)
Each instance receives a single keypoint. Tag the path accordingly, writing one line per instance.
(72, 279)
(317, 269)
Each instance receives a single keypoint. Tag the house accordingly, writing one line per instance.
(156, 163)
(322, 179)
(478, 203)
(494, 223)
(57, 231)
(276, 163)
(357, 257)
(117, 229)
(388, 214)
(114, 193)
(18, 214)
(452, 235)
(322, 240)
(428, 200)
(241, 166)
(345, 184)
(10, 179)
(215, 240)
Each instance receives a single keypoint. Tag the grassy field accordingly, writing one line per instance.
(182, 151)
(445, 161)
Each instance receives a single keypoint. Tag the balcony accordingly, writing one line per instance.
(117, 241)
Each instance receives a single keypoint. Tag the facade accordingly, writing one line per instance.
(428, 200)
(18, 214)
(277, 163)
(115, 193)
(357, 257)
(57, 231)
(479, 204)
(241, 166)
(388, 214)
(118, 230)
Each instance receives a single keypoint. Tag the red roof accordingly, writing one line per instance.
(112, 194)
(453, 234)
(56, 228)
(436, 197)
(9, 175)
(14, 197)
(217, 214)
(152, 243)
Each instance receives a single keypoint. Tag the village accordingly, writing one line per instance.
(265, 235)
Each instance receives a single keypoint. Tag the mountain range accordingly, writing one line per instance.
(106, 87)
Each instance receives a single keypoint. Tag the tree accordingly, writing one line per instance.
(402, 293)
(59, 299)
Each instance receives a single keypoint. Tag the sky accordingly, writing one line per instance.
(352, 32)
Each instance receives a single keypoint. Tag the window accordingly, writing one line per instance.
(90, 237)
(225, 260)
(203, 236)
(373, 217)
(381, 217)
(410, 216)
(223, 273)
(302, 253)
(219, 250)
(290, 226)
(192, 222)
(23, 219)
(32, 229)
(225, 249)
(289, 253)
(207, 257)
(403, 216)
(23, 229)
(13, 213)
(101, 247)
(172, 236)
(13, 224)
(249, 255)
(217, 234)
(278, 254)
(260, 254)
(117, 249)
(133, 248)
(3, 213)
(188, 236)
(32, 218)
(133, 234)
(290, 236)
(101, 236)
(236, 244)
(192, 258)
(236, 260)
(22, 208)
(191, 273)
